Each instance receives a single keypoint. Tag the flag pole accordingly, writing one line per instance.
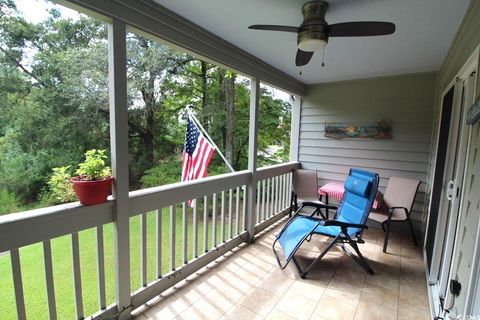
(190, 113)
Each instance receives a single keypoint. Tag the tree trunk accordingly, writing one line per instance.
(221, 104)
(230, 117)
(205, 112)
(148, 136)
(148, 96)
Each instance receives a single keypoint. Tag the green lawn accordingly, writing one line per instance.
(33, 267)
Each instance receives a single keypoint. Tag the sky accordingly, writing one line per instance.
(37, 10)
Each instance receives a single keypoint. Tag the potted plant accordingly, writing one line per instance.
(94, 180)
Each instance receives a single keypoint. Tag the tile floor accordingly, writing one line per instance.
(248, 284)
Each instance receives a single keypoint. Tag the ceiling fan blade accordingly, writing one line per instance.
(361, 29)
(270, 27)
(303, 57)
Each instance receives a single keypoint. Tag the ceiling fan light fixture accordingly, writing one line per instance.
(314, 32)
(312, 44)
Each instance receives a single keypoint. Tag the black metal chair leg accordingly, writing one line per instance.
(383, 226)
(387, 233)
(303, 273)
(412, 231)
(359, 258)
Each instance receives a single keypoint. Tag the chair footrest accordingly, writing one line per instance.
(295, 233)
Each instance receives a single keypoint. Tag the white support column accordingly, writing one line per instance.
(117, 69)
(295, 128)
(252, 158)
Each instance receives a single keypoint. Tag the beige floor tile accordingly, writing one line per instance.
(167, 308)
(224, 298)
(411, 252)
(349, 284)
(247, 283)
(260, 301)
(193, 291)
(388, 260)
(259, 266)
(275, 283)
(246, 276)
(350, 276)
(235, 279)
(200, 310)
(348, 263)
(344, 294)
(296, 306)
(239, 312)
(367, 310)
(310, 289)
(412, 298)
(382, 279)
(334, 309)
(324, 270)
(289, 272)
(276, 314)
(380, 295)
(412, 313)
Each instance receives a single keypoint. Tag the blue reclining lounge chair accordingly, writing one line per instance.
(346, 226)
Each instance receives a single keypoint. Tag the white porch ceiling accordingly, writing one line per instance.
(424, 33)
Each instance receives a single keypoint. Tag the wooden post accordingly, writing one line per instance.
(295, 128)
(252, 158)
(117, 69)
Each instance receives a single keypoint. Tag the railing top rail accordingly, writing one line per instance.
(275, 170)
(164, 196)
(28, 227)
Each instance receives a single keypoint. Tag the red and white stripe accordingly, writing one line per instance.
(196, 167)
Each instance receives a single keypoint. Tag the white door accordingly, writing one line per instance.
(463, 261)
(449, 202)
(453, 182)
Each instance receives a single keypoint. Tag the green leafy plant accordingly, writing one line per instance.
(60, 186)
(94, 167)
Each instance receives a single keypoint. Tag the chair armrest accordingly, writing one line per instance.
(318, 205)
(343, 224)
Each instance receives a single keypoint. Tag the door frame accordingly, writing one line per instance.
(440, 258)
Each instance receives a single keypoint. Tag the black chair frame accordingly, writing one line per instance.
(341, 239)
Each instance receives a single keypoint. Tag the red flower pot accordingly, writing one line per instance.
(93, 191)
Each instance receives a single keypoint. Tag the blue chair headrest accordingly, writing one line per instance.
(358, 186)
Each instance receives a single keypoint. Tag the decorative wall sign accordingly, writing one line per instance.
(376, 130)
(474, 112)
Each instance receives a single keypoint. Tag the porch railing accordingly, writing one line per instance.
(212, 214)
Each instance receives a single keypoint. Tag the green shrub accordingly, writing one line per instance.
(61, 189)
(8, 202)
(170, 171)
(166, 172)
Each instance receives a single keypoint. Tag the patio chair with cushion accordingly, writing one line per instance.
(305, 188)
(396, 206)
(345, 228)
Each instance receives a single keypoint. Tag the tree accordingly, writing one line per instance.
(59, 107)
(54, 103)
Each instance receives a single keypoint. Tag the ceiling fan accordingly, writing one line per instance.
(314, 31)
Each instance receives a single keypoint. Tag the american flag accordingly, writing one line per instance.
(197, 153)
